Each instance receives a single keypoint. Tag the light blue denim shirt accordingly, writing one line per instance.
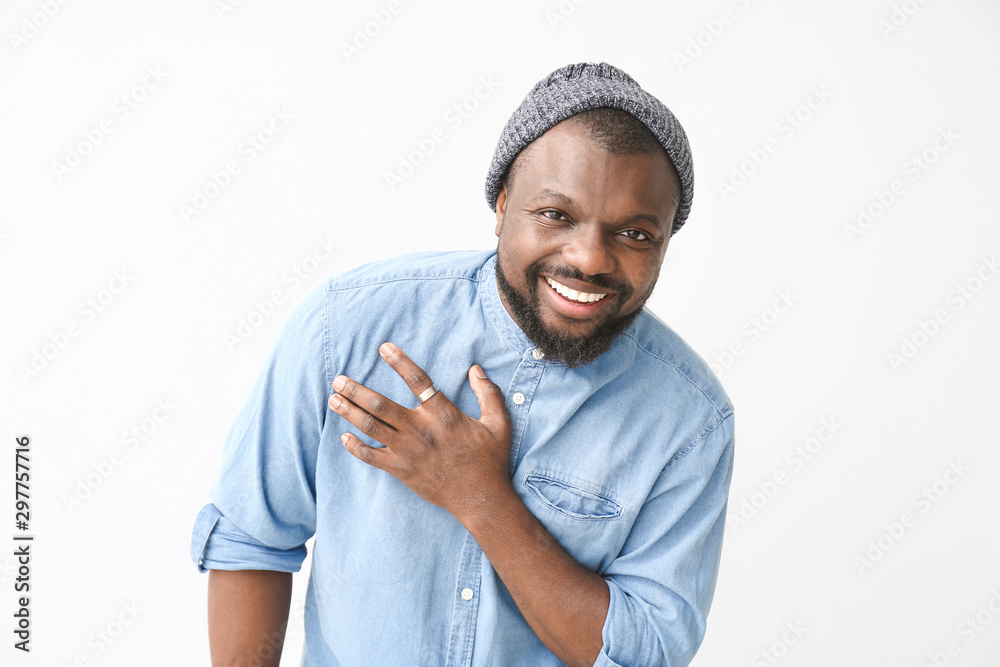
(627, 461)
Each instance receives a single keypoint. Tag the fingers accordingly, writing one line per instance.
(374, 456)
(368, 400)
(492, 410)
(365, 421)
(414, 376)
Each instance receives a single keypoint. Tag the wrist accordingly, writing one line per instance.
(486, 505)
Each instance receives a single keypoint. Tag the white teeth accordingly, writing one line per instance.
(582, 297)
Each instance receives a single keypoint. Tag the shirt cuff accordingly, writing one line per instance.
(608, 634)
(631, 638)
(604, 661)
(217, 544)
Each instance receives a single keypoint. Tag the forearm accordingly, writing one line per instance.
(247, 615)
(565, 604)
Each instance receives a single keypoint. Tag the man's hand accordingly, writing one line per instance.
(446, 457)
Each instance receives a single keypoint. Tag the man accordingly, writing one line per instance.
(579, 519)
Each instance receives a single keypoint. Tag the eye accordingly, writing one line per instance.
(552, 214)
(636, 235)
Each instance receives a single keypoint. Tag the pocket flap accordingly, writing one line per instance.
(572, 500)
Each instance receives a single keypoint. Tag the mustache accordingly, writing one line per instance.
(623, 289)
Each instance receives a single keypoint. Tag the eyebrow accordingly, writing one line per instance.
(567, 200)
(549, 192)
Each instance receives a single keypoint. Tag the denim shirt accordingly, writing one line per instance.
(627, 461)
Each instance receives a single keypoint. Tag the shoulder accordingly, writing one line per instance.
(369, 289)
(660, 349)
(413, 267)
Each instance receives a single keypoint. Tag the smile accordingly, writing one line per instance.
(572, 294)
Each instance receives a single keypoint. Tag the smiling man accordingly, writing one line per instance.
(579, 518)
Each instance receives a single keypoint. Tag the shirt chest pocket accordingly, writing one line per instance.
(585, 518)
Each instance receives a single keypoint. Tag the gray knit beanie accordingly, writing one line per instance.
(575, 88)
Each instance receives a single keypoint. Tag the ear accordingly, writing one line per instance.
(501, 207)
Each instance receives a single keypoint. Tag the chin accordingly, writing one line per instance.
(572, 342)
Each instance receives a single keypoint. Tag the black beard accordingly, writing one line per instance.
(571, 350)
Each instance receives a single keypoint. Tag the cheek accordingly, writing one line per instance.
(515, 250)
(643, 277)
(509, 262)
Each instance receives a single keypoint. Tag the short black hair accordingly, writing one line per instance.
(615, 130)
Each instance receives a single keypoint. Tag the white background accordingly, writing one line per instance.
(888, 91)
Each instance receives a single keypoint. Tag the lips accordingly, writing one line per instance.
(574, 295)
(575, 304)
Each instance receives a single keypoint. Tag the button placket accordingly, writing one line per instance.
(519, 393)
(466, 607)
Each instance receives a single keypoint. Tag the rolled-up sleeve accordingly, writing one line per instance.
(263, 506)
(662, 584)
(217, 544)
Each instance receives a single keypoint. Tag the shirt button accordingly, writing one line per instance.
(518, 398)
(467, 594)
(537, 354)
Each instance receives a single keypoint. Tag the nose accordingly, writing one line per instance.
(588, 250)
